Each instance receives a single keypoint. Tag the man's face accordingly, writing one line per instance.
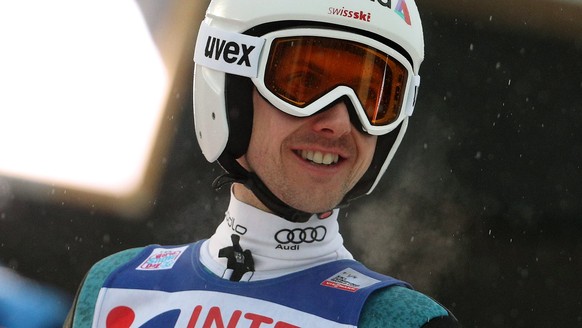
(309, 163)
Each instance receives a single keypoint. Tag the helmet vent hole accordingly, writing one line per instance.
(213, 116)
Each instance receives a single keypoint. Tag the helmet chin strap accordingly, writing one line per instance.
(237, 173)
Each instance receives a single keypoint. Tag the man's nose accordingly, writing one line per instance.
(334, 121)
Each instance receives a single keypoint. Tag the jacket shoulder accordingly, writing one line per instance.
(403, 307)
(81, 314)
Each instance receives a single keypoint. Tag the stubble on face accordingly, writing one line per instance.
(274, 155)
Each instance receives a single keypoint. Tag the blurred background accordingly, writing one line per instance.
(481, 207)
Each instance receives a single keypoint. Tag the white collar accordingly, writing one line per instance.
(278, 246)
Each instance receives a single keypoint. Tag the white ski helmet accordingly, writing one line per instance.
(231, 52)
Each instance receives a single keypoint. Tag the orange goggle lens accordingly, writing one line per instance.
(302, 69)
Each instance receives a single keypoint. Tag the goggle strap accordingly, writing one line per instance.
(411, 102)
(228, 52)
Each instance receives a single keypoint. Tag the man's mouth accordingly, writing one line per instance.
(319, 157)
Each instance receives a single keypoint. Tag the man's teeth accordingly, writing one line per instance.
(319, 157)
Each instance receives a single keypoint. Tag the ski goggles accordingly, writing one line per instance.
(302, 71)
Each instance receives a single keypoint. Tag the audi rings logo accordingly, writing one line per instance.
(298, 236)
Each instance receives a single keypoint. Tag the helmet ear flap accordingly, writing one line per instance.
(238, 92)
(384, 146)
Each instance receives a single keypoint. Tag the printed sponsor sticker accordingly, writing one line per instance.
(349, 280)
(162, 258)
(402, 10)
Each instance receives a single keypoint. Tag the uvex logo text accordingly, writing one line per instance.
(228, 52)
(231, 52)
